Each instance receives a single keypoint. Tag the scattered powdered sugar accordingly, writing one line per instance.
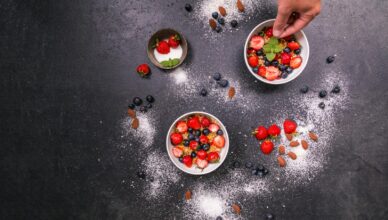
(179, 75)
(146, 131)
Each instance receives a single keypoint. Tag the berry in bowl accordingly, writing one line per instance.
(197, 143)
(273, 60)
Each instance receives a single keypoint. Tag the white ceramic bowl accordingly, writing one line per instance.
(193, 170)
(300, 37)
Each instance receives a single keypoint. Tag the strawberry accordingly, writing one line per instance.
(214, 127)
(285, 58)
(205, 122)
(269, 31)
(289, 126)
(266, 147)
(274, 130)
(272, 73)
(296, 62)
(219, 141)
(213, 157)
(176, 138)
(162, 47)
(251, 51)
(194, 123)
(201, 154)
(187, 160)
(193, 145)
(261, 133)
(293, 45)
(143, 70)
(177, 151)
(202, 163)
(181, 127)
(262, 71)
(203, 139)
(173, 41)
(256, 42)
(253, 61)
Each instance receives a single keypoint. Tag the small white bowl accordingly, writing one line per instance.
(194, 170)
(300, 37)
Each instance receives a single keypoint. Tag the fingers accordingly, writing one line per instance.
(282, 18)
(296, 26)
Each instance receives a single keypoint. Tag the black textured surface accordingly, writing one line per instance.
(67, 75)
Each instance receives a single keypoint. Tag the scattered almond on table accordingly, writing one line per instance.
(188, 195)
(236, 209)
(212, 23)
(240, 6)
(282, 150)
(294, 143)
(292, 155)
(135, 123)
(313, 136)
(231, 92)
(222, 11)
(281, 161)
(305, 145)
(131, 113)
(289, 137)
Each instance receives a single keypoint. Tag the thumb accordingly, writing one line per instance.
(281, 21)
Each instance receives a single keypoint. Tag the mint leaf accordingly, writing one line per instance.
(270, 56)
(170, 62)
(273, 41)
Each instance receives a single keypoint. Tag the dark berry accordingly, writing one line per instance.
(203, 92)
(336, 89)
(223, 83)
(141, 174)
(269, 216)
(221, 21)
(193, 154)
(219, 218)
(282, 67)
(150, 98)
(297, 51)
(191, 137)
(322, 105)
(196, 139)
(322, 94)
(215, 15)
(218, 29)
(180, 159)
(287, 50)
(267, 63)
(188, 7)
(289, 69)
(220, 132)
(205, 131)
(260, 167)
(217, 76)
(233, 23)
(254, 172)
(131, 106)
(284, 75)
(190, 130)
(248, 165)
(149, 105)
(330, 59)
(143, 109)
(255, 69)
(275, 63)
(260, 173)
(236, 164)
(197, 133)
(186, 143)
(259, 52)
(137, 101)
(206, 147)
(304, 89)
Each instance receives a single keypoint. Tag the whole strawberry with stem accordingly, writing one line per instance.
(143, 70)
(260, 133)
(162, 47)
(173, 41)
(266, 147)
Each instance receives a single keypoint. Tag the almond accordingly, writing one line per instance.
(231, 92)
(222, 11)
(188, 195)
(236, 208)
(212, 23)
(313, 136)
(131, 113)
(281, 161)
(135, 123)
(289, 137)
(240, 6)
(305, 145)
(294, 143)
(292, 155)
(282, 150)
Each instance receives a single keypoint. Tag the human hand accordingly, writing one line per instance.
(293, 15)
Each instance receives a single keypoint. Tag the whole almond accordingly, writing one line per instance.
(240, 6)
(231, 92)
(135, 123)
(131, 113)
(281, 161)
(294, 143)
(212, 23)
(289, 137)
(236, 208)
(188, 195)
(305, 145)
(282, 150)
(292, 155)
(313, 136)
(222, 11)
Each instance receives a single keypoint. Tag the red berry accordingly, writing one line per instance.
(262, 71)
(187, 160)
(293, 45)
(219, 141)
(256, 42)
(202, 163)
(214, 127)
(163, 47)
(181, 127)
(176, 138)
(266, 147)
(194, 123)
(201, 154)
(269, 31)
(272, 73)
(193, 145)
(173, 41)
(253, 61)
(274, 130)
(203, 139)
(261, 133)
(289, 126)
(177, 151)
(143, 70)
(285, 58)
(205, 122)
(296, 62)
(213, 157)
(251, 51)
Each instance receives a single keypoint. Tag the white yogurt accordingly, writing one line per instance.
(174, 53)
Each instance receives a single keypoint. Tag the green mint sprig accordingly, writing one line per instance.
(170, 62)
(271, 48)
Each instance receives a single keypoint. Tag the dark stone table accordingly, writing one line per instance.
(68, 74)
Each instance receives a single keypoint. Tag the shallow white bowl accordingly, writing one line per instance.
(300, 37)
(193, 170)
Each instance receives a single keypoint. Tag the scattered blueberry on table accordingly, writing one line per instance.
(330, 59)
(304, 89)
(336, 89)
(322, 94)
(203, 92)
(215, 15)
(188, 7)
(322, 105)
(233, 23)
(137, 101)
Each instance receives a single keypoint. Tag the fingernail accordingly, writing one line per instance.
(276, 33)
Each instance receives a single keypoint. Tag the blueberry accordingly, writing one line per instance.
(141, 174)
(236, 164)
(218, 29)
(330, 59)
(186, 143)
(150, 98)
(284, 75)
(248, 165)
(269, 216)
(205, 131)
(265, 171)
(304, 89)
(196, 139)
(221, 21)
(215, 15)
(255, 69)
(287, 50)
(254, 172)
(259, 52)
(267, 63)
(149, 105)
(322, 94)
(188, 7)
(180, 159)
(336, 89)
(191, 136)
(197, 133)
(193, 154)
(297, 51)
(282, 67)
(275, 63)
(217, 76)
(260, 173)
(131, 106)
(233, 23)
(206, 147)
(223, 83)
(260, 167)
(143, 109)
(219, 218)
(137, 101)
(289, 69)
(322, 105)
(220, 132)
(203, 92)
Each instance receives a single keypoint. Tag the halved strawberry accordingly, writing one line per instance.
(256, 42)
(214, 127)
(272, 73)
(162, 47)
(187, 160)
(193, 145)
(201, 154)
(203, 139)
(202, 163)
(285, 58)
(296, 62)
(219, 141)
(213, 157)
(262, 71)
(194, 123)
(293, 45)
(253, 60)
(205, 122)
(269, 31)
(181, 127)
(177, 151)
(176, 138)
(251, 51)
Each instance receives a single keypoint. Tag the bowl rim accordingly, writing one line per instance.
(184, 45)
(226, 147)
(278, 81)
